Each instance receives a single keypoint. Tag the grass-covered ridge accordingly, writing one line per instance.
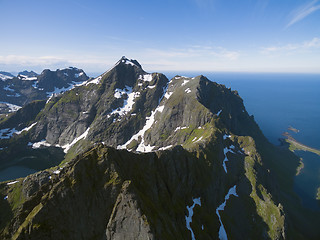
(271, 214)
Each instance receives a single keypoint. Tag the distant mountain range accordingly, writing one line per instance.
(29, 86)
(134, 155)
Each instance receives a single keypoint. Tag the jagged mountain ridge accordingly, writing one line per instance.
(213, 146)
(119, 107)
(5, 75)
(29, 86)
(101, 104)
(27, 74)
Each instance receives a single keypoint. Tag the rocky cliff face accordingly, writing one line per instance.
(147, 158)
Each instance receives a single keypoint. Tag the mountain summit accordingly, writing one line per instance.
(144, 157)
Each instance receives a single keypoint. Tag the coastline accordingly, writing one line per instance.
(300, 167)
(295, 145)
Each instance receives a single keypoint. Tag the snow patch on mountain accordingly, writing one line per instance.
(149, 122)
(118, 93)
(225, 151)
(185, 82)
(12, 107)
(168, 95)
(231, 149)
(7, 88)
(196, 201)
(58, 91)
(180, 128)
(39, 144)
(225, 136)
(14, 182)
(222, 231)
(94, 81)
(26, 128)
(145, 77)
(26, 78)
(165, 148)
(66, 147)
(128, 103)
(7, 133)
(196, 139)
(77, 75)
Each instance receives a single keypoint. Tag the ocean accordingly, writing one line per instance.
(277, 101)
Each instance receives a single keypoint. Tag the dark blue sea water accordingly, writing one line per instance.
(278, 101)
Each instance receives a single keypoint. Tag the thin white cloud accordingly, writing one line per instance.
(303, 12)
(30, 61)
(197, 51)
(174, 58)
(18, 62)
(291, 48)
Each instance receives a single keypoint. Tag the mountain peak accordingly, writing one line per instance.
(69, 69)
(29, 74)
(132, 62)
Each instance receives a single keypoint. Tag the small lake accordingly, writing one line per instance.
(15, 172)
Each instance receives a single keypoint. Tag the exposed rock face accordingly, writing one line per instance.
(126, 220)
(200, 143)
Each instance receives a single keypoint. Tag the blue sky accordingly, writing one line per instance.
(166, 35)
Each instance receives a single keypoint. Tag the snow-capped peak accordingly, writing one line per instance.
(131, 62)
(5, 76)
(69, 68)
(28, 74)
